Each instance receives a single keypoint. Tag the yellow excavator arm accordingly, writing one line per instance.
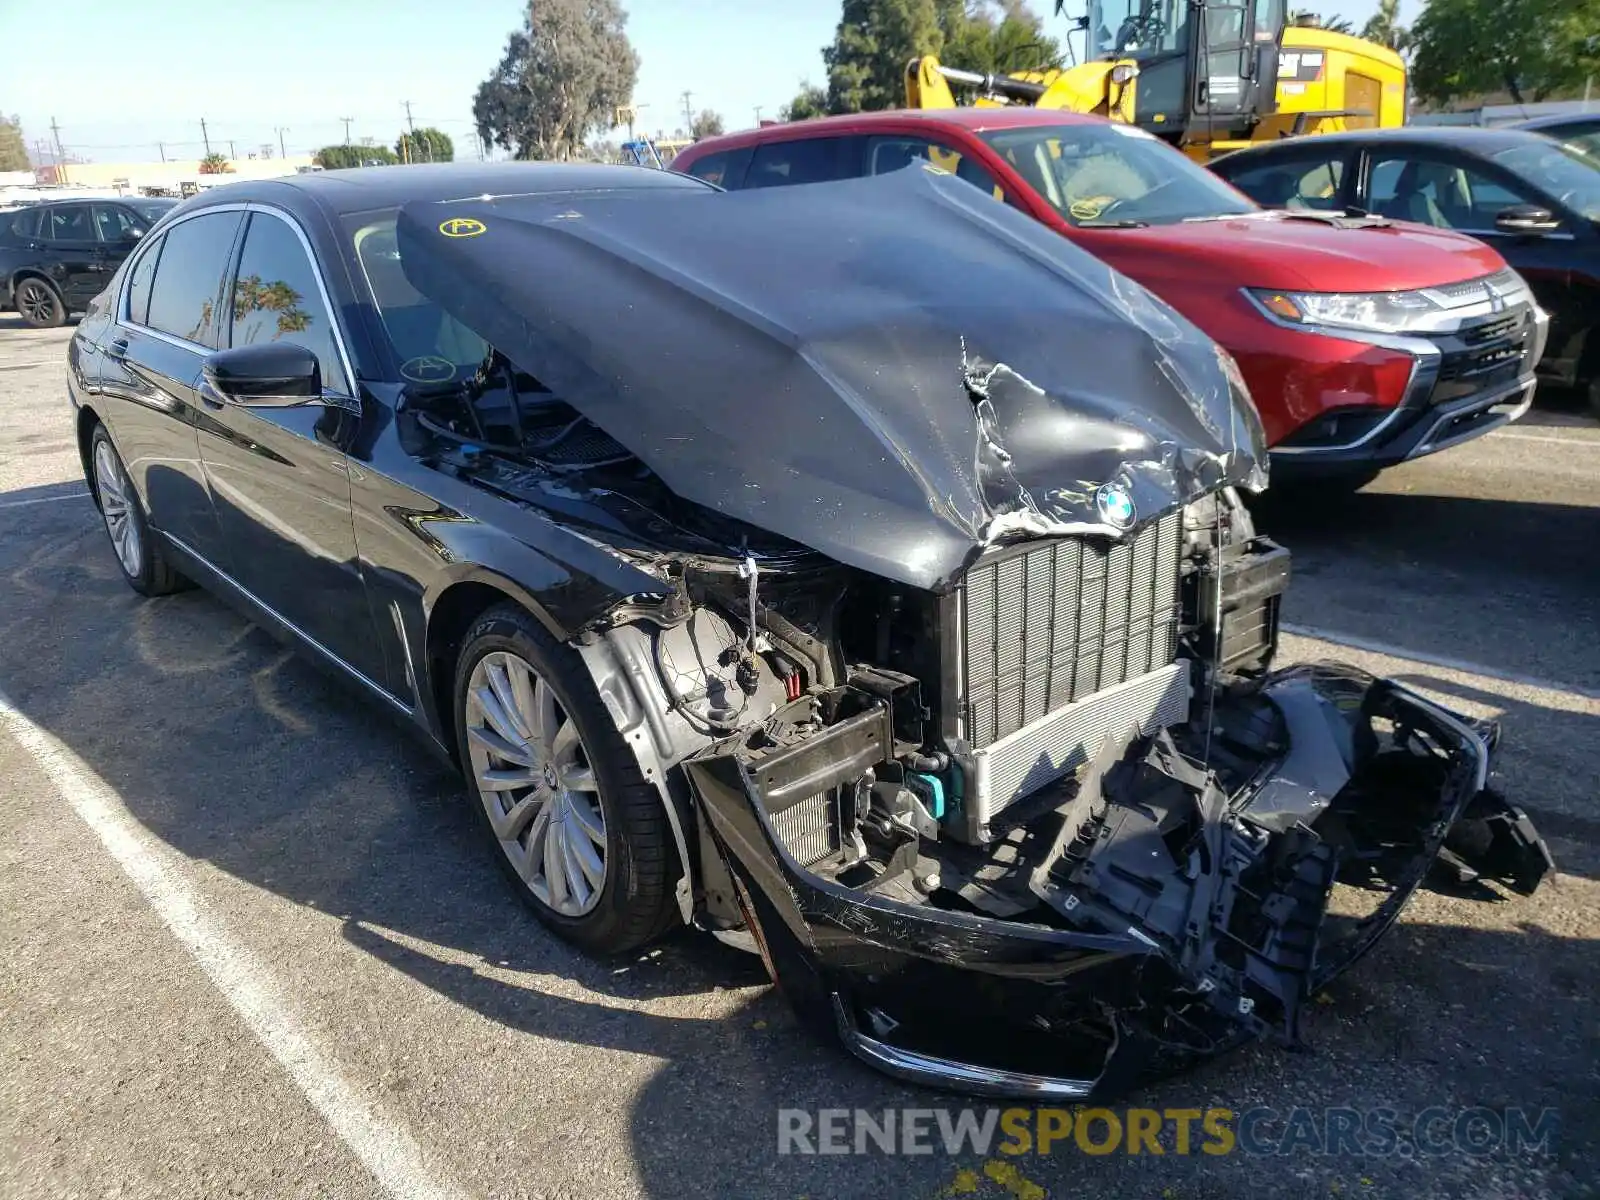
(1100, 88)
(1269, 81)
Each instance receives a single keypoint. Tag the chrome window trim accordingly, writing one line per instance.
(344, 397)
(310, 641)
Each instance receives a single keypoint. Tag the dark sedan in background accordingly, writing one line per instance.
(690, 523)
(1534, 200)
(56, 257)
(1576, 131)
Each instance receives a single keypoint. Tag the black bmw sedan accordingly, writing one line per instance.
(855, 572)
(1533, 199)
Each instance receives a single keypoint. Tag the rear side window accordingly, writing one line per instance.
(188, 279)
(21, 226)
(69, 223)
(726, 169)
(276, 297)
(806, 160)
(1298, 183)
(144, 273)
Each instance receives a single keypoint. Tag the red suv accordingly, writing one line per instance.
(1364, 341)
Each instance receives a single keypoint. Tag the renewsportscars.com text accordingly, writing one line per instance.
(1333, 1132)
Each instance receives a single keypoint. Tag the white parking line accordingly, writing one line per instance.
(1540, 437)
(43, 500)
(386, 1150)
(1370, 646)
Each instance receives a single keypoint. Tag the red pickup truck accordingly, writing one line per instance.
(1364, 341)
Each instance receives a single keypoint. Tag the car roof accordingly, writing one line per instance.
(1560, 121)
(362, 189)
(975, 119)
(1471, 139)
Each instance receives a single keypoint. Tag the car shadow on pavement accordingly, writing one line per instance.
(1474, 573)
(237, 753)
(10, 321)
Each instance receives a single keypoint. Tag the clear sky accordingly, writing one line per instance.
(250, 67)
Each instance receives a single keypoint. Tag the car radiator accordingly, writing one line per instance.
(1059, 645)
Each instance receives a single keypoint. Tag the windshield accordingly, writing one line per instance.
(1136, 28)
(1113, 174)
(432, 346)
(152, 209)
(1571, 177)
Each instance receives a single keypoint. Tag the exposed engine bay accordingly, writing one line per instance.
(1069, 789)
(945, 636)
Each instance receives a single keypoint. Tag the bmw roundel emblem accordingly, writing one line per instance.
(1115, 505)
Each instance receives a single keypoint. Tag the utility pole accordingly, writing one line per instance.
(347, 121)
(411, 142)
(161, 149)
(758, 116)
(688, 113)
(205, 137)
(282, 153)
(61, 154)
(231, 154)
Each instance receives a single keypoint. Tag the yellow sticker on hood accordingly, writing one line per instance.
(462, 227)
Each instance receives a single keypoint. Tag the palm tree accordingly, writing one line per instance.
(1384, 27)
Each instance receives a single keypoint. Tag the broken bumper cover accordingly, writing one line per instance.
(1176, 911)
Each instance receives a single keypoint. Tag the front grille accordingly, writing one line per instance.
(1484, 355)
(1047, 624)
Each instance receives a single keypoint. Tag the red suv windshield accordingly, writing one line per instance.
(1113, 174)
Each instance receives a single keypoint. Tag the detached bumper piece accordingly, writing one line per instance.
(1174, 903)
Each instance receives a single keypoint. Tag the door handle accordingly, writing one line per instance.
(117, 349)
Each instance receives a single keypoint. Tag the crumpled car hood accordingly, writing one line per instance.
(895, 372)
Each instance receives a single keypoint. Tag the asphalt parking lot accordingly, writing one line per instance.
(250, 944)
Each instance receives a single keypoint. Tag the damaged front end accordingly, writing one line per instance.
(954, 671)
(1153, 913)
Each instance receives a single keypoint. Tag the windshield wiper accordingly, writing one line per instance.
(1122, 224)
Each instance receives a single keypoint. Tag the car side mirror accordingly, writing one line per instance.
(1526, 219)
(271, 375)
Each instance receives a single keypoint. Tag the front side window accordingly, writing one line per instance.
(896, 152)
(1564, 173)
(1443, 194)
(188, 278)
(69, 223)
(276, 296)
(1113, 175)
(1298, 183)
(114, 223)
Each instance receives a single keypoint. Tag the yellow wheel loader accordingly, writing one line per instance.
(1206, 76)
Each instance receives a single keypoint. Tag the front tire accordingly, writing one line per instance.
(40, 304)
(138, 553)
(579, 832)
